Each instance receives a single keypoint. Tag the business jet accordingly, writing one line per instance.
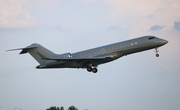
(90, 59)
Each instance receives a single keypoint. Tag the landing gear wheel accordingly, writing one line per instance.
(157, 55)
(94, 70)
(89, 69)
(156, 50)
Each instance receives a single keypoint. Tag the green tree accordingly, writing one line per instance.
(53, 108)
(72, 108)
(62, 108)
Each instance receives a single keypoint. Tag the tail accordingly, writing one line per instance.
(37, 51)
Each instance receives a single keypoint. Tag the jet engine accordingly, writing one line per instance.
(65, 55)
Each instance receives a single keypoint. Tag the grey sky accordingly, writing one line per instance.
(139, 81)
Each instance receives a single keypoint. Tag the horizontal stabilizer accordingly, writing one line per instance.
(24, 50)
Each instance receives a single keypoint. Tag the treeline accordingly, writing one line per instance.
(62, 108)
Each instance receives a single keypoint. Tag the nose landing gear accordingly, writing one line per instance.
(156, 50)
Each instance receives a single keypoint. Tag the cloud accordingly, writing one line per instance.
(177, 25)
(127, 8)
(63, 26)
(115, 28)
(172, 67)
(13, 15)
(156, 28)
(139, 15)
(89, 1)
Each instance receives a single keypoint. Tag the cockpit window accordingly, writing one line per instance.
(151, 38)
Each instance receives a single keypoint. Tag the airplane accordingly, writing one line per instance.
(90, 59)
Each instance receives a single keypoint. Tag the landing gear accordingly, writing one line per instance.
(90, 69)
(157, 55)
(94, 70)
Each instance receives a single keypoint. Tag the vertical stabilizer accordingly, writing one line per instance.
(38, 52)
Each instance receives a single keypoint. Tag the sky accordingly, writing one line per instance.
(135, 82)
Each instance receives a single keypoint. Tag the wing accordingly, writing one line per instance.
(84, 61)
(80, 59)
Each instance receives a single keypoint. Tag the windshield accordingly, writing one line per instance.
(151, 38)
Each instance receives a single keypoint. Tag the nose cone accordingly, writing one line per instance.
(162, 41)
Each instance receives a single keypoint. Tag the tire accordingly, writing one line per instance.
(157, 55)
(89, 69)
(94, 70)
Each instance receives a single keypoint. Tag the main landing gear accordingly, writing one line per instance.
(90, 69)
(156, 50)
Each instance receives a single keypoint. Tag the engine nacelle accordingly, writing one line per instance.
(65, 55)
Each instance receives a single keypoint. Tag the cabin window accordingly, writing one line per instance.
(151, 38)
